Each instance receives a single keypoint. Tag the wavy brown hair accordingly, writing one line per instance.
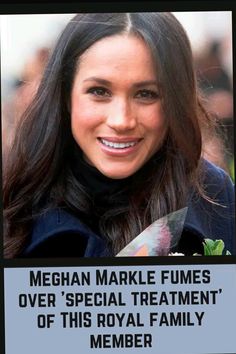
(38, 173)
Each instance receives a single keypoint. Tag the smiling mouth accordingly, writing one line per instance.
(118, 145)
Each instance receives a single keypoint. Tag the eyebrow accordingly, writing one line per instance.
(109, 83)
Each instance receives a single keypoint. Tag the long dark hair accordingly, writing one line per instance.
(37, 173)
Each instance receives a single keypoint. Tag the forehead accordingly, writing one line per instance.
(124, 52)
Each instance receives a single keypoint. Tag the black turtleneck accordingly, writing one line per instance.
(97, 184)
(108, 194)
(102, 188)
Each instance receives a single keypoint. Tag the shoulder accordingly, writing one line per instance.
(215, 178)
(214, 216)
(58, 233)
(219, 187)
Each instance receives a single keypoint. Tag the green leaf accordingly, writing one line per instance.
(208, 245)
(213, 247)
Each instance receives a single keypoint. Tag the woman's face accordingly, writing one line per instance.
(116, 113)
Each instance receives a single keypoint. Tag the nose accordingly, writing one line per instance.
(121, 116)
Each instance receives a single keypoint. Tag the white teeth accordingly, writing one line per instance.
(118, 145)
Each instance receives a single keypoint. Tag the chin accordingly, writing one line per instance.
(117, 174)
(119, 170)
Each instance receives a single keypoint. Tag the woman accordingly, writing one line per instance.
(112, 142)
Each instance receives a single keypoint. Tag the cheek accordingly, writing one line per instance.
(154, 120)
(156, 129)
(84, 116)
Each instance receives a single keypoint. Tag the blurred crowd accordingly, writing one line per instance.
(216, 84)
(214, 79)
(21, 93)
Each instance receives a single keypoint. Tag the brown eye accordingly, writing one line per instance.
(147, 95)
(99, 92)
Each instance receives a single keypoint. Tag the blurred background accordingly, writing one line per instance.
(26, 41)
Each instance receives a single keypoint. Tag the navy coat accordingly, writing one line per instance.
(58, 233)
